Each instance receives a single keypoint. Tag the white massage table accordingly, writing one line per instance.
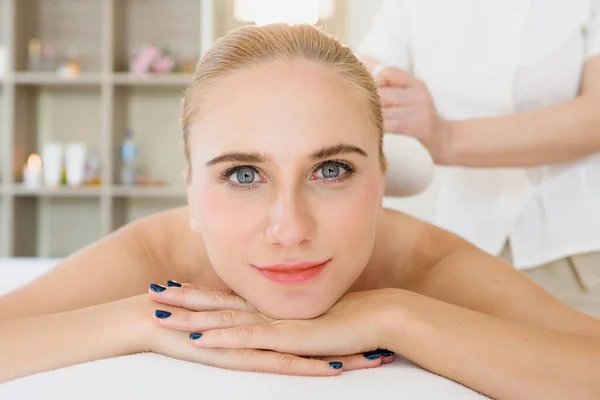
(150, 376)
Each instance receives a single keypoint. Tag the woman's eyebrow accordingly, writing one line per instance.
(341, 148)
(257, 158)
(253, 158)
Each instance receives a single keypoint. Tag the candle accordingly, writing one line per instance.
(32, 172)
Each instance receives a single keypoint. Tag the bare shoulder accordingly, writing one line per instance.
(428, 260)
(120, 265)
(406, 248)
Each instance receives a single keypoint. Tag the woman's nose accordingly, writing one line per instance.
(291, 222)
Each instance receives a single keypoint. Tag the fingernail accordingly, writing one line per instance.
(173, 284)
(195, 336)
(386, 353)
(372, 355)
(157, 288)
(162, 314)
(336, 364)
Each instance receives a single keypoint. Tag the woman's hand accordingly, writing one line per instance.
(408, 109)
(187, 311)
(355, 324)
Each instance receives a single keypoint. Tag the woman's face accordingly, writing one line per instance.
(286, 186)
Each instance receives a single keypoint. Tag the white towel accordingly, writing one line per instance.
(410, 166)
(151, 376)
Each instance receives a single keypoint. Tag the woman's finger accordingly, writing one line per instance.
(199, 299)
(270, 336)
(171, 283)
(200, 321)
(372, 359)
(176, 344)
(254, 360)
(279, 363)
(388, 359)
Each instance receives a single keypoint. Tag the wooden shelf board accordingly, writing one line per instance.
(18, 190)
(129, 79)
(169, 191)
(51, 79)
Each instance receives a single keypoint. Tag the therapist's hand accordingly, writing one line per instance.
(359, 322)
(188, 309)
(408, 109)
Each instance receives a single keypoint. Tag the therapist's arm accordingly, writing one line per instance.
(554, 134)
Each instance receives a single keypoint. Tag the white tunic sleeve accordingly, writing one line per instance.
(593, 31)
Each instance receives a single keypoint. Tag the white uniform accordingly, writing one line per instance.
(492, 58)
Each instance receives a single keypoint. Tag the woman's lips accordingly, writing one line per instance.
(292, 273)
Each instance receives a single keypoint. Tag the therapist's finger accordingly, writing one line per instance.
(395, 96)
(406, 113)
(404, 120)
(395, 125)
(193, 321)
(199, 299)
(392, 76)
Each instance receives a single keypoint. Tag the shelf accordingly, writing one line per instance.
(140, 191)
(171, 191)
(18, 190)
(129, 79)
(52, 79)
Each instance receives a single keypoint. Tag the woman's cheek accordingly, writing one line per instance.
(228, 215)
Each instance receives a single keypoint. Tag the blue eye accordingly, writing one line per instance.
(332, 170)
(242, 175)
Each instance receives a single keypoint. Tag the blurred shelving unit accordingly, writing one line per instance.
(95, 107)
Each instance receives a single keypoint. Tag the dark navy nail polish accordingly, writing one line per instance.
(157, 288)
(372, 355)
(173, 284)
(162, 314)
(336, 364)
(386, 353)
(195, 336)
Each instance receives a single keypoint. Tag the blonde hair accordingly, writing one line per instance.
(250, 45)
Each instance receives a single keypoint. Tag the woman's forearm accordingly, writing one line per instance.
(48, 342)
(555, 134)
(501, 359)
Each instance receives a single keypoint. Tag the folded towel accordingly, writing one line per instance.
(410, 166)
(151, 376)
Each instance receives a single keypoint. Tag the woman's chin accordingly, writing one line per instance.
(291, 311)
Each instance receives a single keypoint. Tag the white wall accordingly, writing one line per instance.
(359, 16)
